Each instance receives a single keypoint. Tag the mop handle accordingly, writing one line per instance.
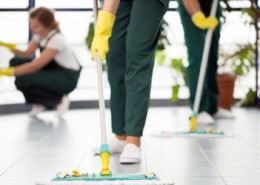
(100, 87)
(204, 61)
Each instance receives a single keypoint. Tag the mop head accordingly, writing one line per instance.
(96, 179)
(210, 132)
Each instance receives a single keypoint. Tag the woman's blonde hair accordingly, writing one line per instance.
(46, 17)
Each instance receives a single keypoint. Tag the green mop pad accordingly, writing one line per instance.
(203, 133)
(96, 179)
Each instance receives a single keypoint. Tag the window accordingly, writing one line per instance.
(65, 3)
(74, 25)
(13, 4)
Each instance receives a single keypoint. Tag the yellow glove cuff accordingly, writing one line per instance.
(7, 72)
(106, 19)
(8, 45)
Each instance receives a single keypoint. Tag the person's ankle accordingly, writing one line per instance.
(121, 137)
(133, 140)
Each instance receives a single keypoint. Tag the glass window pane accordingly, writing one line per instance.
(74, 25)
(13, 3)
(15, 27)
(65, 3)
(239, 4)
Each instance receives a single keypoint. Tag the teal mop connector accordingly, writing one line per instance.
(194, 115)
(104, 148)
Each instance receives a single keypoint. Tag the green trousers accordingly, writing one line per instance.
(195, 39)
(130, 62)
(47, 86)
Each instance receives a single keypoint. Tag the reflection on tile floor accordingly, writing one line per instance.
(39, 148)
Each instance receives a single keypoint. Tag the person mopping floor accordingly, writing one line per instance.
(105, 176)
(196, 20)
(135, 28)
(47, 80)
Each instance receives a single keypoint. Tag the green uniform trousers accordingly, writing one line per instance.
(195, 39)
(130, 62)
(47, 86)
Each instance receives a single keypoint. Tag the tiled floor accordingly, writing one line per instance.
(33, 149)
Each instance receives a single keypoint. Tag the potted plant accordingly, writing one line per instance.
(252, 13)
(246, 57)
(230, 66)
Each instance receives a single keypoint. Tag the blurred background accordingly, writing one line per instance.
(169, 72)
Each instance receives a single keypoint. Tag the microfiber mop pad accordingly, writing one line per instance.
(96, 179)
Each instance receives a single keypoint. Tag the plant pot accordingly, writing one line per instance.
(226, 83)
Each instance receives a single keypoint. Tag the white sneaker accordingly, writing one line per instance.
(115, 146)
(205, 118)
(223, 114)
(36, 109)
(130, 155)
(63, 107)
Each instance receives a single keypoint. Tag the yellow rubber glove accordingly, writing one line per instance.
(8, 45)
(7, 72)
(202, 22)
(212, 22)
(103, 32)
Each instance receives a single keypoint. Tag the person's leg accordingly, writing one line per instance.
(194, 39)
(42, 96)
(142, 37)
(30, 91)
(116, 61)
(64, 104)
(45, 87)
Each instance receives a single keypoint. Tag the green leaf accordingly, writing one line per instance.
(239, 70)
(175, 93)
(242, 60)
(176, 64)
(249, 99)
(160, 57)
(90, 35)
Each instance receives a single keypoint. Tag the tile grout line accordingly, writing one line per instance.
(144, 156)
(249, 143)
(26, 153)
(82, 158)
(211, 164)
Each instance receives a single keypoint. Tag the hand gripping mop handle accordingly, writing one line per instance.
(204, 64)
(104, 151)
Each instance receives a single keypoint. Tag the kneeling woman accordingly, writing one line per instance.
(47, 80)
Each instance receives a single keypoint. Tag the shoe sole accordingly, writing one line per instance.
(128, 160)
(223, 117)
